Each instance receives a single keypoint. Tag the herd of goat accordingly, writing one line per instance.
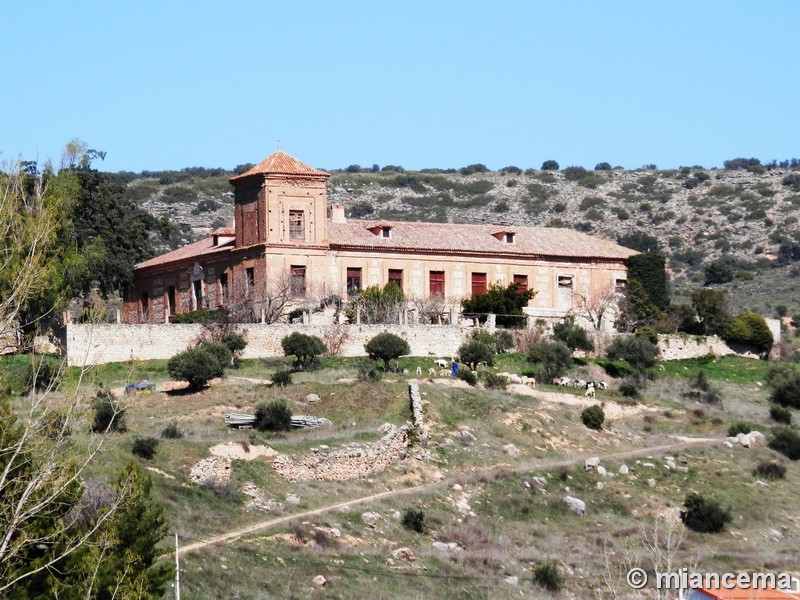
(589, 386)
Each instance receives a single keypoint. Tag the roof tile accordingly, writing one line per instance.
(280, 163)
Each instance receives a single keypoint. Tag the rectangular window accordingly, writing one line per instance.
(478, 283)
(509, 237)
(437, 283)
(522, 282)
(223, 285)
(396, 277)
(386, 232)
(171, 299)
(619, 285)
(353, 279)
(298, 281)
(145, 305)
(198, 293)
(296, 228)
(565, 281)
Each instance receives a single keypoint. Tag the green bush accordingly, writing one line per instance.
(42, 373)
(552, 358)
(574, 336)
(220, 352)
(198, 366)
(464, 374)
(493, 381)
(108, 414)
(784, 384)
(305, 348)
(593, 417)
(172, 432)
(204, 317)
(475, 352)
(785, 440)
(273, 416)
(639, 352)
(386, 347)
(770, 469)
(503, 341)
(550, 165)
(632, 385)
(648, 333)
(506, 302)
(414, 520)
(739, 427)
(750, 329)
(235, 342)
(704, 515)
(145, 447)
(282, 378)
(779, 414)
(574, 173)
(368, 370)
(547, 575)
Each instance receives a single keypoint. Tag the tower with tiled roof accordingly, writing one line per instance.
(280, 201)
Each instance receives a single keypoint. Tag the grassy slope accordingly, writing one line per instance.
(513, 526)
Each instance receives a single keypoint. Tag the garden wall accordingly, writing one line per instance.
(104, 343)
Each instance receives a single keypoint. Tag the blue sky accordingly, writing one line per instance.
(171, 84)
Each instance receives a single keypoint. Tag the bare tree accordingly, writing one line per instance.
(597, 306)
(430, 309)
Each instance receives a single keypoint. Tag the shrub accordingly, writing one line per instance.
(387, 347)
(552, 357)
(550, 165)
(369, 371)
(506, 302)
(574, 173)
(503, 340)
(42, 373)
(720, 270)
(476, 352)
(493, 381)
(172, 432)
(632, 385)
(198, 366)
(235, 342)
(770, 469)
(108, 414)
(779, 414)
(273, 416)
(784, 382)
(464, 374)
(145, 447)
(648, 333)
(701, 389)
(414, 520)
(282, 378)
(574, 336)
(305, 348)
(593, 417)
(704, 515)
(220, 352)
(547, 575)
(785, 440)
(750, 329)
(739, 427)
(639, 352)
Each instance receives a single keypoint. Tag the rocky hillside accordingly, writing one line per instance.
(696, 215)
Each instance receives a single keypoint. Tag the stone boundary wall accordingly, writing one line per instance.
(677, 347)
(87, 344)
(417, 416)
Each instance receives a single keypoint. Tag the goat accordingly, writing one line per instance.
(579, 383)
(405, 371)
(444, 373)
(419, 370)
(440, 362)
(590, 391)
(431, 372)
(528, 380)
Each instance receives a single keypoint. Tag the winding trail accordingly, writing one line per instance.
(453, 477)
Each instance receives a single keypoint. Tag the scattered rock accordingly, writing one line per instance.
(774, 534)
(512, 580)
(319, 581)
(292, 499)
(601, 470)
(335, 532)
(682, 469)
(511, 450)
(312, 398)
(727, 444)
(457, 487)
(212, 471)
(591, 463)
(403, 554)
(649, 465)
(761, 485)
(599, 485)
(624, 470)
(651, 482)
(466, 436)
(539, 482)
(370, 518)
(576, 505)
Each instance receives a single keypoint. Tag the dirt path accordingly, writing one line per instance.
(453, 478)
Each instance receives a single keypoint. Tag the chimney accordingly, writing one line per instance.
(336, 213)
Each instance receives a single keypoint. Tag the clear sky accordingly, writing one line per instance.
(162, 84)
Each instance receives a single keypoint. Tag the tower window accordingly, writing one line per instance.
(298, 281)
(296, 226)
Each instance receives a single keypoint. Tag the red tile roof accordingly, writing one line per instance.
(473, 239)
(203, 248)
(280, 163)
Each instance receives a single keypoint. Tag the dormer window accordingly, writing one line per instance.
(384, 231)
(506, 237)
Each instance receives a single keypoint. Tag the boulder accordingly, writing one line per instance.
(576, 505)
(312, 398)
(370, 518)
(601, 470)
(511, 450)
(591, 463)
(624, 470)
(403, 554)
(319, 581)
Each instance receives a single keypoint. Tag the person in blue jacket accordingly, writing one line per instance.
(454, 369)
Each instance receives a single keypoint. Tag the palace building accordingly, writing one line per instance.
(287, 241)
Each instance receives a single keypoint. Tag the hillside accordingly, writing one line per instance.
(696, 215)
